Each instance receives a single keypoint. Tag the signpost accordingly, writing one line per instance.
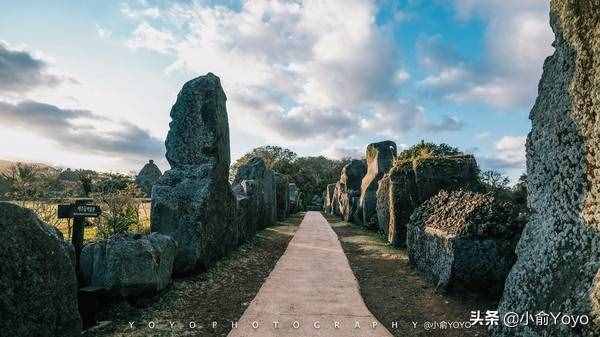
(78, 211)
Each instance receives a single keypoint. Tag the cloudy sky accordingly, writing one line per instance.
(90, 83)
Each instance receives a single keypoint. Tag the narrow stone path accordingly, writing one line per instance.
(311, 292)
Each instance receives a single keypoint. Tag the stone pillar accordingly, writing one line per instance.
(380, 157)
(193, 202)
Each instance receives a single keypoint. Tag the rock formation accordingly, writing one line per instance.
(193, 202)
(383, 204)
(294, 197)
(329, 193)
(256, 169)
(283, 197)
(248, 203)
(558, 265)
(346, 192)
(129, 265)
(464, 238)
(380, 158)
(147, 177)
(413, 182)
(38, 286)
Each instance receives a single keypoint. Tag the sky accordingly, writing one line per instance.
(90, 84)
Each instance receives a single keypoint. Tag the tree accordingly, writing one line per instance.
(310, 174)
(276, 158)
(425, 150)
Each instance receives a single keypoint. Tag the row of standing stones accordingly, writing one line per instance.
(557, 257)
(457, 236)
(197, 217)
(470, 242)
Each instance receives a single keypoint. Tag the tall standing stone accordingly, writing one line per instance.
(38, 286)
(558, 256)
(283, 196)
(147, 177)
(380, 157)
(193, 202)
(329, 193)
(348, 192)
(256, 169)
(413, 182)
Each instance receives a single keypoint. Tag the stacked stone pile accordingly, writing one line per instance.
(464, 238)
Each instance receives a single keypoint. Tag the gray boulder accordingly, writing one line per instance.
(413, 182)
(129, 265)
(283, 196)
(147, 177)
(380, 157)
(38, 285)
(248, 200)
(464, 239)
(383, 204)
(193, 202)
(353, 174)
(294, 195)
(558, 264)
(256, 169)
(329, 195)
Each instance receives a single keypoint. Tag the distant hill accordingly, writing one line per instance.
(5, 165)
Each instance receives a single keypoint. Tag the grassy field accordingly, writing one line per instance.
(47, 211)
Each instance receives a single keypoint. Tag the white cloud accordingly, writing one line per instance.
(148, 37)
(517, 39)
(509, 153)
(103, 33)
(292, 69)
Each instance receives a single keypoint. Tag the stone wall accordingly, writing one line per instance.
(558, 264)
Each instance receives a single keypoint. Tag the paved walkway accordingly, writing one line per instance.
(311, 286)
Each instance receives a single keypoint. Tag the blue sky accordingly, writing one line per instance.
(90, 84)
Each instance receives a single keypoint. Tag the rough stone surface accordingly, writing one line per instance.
(383, 204)
(38, 286)
(380, 157)
(294, 194)
(199, 128)
(256, 169)
(248, 200)
(558, 265)
(193, 202)
(283, 196)
(129, 265)
(464, 238)
(147, 177)
(329, 202)
(413, 182)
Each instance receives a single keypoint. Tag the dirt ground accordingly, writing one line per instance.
(192, 304)
(395, 292)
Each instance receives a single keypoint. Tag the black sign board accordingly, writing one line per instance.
(78, 210)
